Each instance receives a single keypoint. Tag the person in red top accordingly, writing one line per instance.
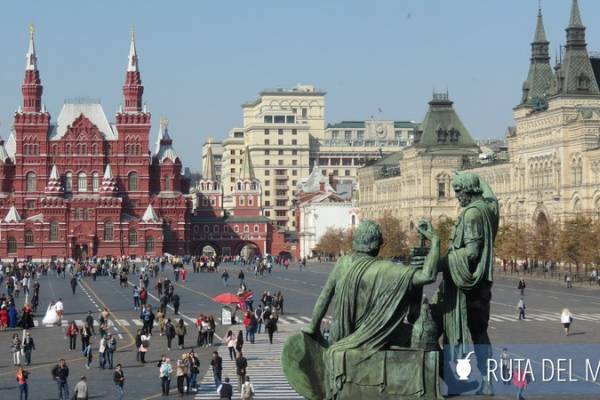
(3, 318)
(520, 379)
(246, 321)
(183, 274)
(143, 296)
(22, 376)
(72, 333)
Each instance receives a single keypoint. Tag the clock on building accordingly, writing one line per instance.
(380, 130)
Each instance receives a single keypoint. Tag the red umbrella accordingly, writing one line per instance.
(227, 298)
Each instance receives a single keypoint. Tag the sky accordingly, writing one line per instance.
(200, 60)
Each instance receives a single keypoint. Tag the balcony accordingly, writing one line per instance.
(281, 197)
(281, 176)
(286, 207)
(281, 187)
(281, 218)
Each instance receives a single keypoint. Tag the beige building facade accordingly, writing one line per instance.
(553, 167)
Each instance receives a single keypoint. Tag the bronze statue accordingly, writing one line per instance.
(369, 353)
(463, 300)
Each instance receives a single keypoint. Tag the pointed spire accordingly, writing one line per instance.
(247, 171)
(163, 134)
(54, 185)
(109, 183)
(540, 32)
(108, 175)
(208, 165)
(575, 19)
(4, 157)
(150, 215)
(31, 64)
(132, 65)
(12, 216)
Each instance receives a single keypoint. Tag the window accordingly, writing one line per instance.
(29, 238)
(294, 172)
(236, 228)
(86, 214)
(267, 203)
(167, 183)
(133, 241)
(267, 142)
(267, 192)
(12, 245)
(280, 141)
(133, 181)
(94, 149)
(68, 149)
(294, 131)
(304, 113)
(267, 152)
(280, 152)
(216, 229)
(82, 182)
(69, 182)
(31, 181)
(108, 230)
(232, 152)
(95, 182)
(255, 228)
(30, 204)
(279, 162)
(267, 162)
(294, 162)
(281, 203)
(294, 141)
(267, 172)
(149, 244)
(267, 213)
(267, 131)
(280, 131)
(441, 189)
(347, 172)
(267, 182)
(347, 136)
(294, 152)
(279, 119)
(290, 119)
(268, 119)
(246, 228)
(54, 230)
(360, 135)
(335, 135)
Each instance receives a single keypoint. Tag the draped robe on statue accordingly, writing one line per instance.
(371, 303)
(479, 221)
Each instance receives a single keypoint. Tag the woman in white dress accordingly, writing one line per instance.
(51, 317)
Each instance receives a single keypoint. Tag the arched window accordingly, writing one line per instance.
(68, 149)
(69, 182)
(133, 181)
(353, 220)
(94, 149)
(206, 228)
(246, 228)
(12, 245)
(82, 182)
(149, 244)
(31, 181)
(95, 182)
(255, 228)
(29, 238)
(236, 228)
(133, 241)
(54, 230)
(108, 230)
(167, 183)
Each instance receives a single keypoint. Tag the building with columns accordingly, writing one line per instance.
(81, 186)
(553, 168)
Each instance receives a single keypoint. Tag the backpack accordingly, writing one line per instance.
(247, 392)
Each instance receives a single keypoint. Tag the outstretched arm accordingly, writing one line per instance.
(323, 301)
(428, 273)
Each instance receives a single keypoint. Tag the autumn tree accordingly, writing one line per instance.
(575, 241)
(395, 239)
(444, 228)
(330, 243)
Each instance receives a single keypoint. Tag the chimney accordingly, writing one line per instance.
(332, 181)
(321, 186)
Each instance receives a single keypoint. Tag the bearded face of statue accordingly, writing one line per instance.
(464, 198)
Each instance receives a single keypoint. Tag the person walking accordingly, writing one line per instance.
(165, 369)
(73, 283)
(569, 281)
(169, 333)
(119, 380)
(566, 318)
(22, 376)
(80, 392)
(28, 346)
(111, 349)
(271, 327)
(239, 342)
(225, 277)
(216, 364)
(258, 314)
(505, 364)
(175, 299)
(241, 363)
(230, 340)
(60, 373)
(88, 354)
(145, 338)
(138, 344)
(136, 298)
(72, 333)
(247, 392)
(212, 326)
(521, 308)
(15, 348)
(225, 390)
(181, 373)
(102, 352)
(89, 323)
(241, 277)
(193, 371)
(520, 380)
(180, 331)
(521, 286)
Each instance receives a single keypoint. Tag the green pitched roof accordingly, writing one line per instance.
(540, 78)
(442, 127)
(540, 32)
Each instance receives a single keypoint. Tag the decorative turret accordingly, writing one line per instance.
(150, 215)
(576, 75)
(209, 200)
(208, 165)
(12, 217)
(247, 171)
(538, 85)
(109, 184)
(32, 85)
(247, 192)
(164, 143)
(133, 89)
(54, 187)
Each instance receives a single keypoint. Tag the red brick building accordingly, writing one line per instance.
(240, 228)
(81, 186)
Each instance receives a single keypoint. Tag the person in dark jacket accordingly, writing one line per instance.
(28, 346)
(60, 373)
(225, 390)
(175, 300)
(119, 380)
(271, 327)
